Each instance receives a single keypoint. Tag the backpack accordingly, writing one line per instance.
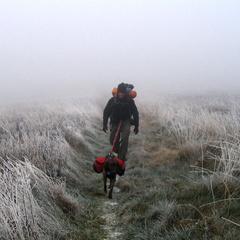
(129, 88)
(98, 165)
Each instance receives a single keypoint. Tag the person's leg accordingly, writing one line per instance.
(126, 125)
(113, 130)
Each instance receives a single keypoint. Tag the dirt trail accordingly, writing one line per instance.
(112, 226)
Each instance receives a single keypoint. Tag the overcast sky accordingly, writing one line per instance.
(73, 47)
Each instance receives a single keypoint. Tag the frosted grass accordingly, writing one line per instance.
(42, 142)
(49, 134)
(42, 146)
(22, 215)
(201, 121)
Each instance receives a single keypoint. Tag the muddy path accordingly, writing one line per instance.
(104, 223)
(108, 210)
(101, 221)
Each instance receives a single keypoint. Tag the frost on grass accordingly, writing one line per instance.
(24, 211)
(41, 152)
(112, 225)
(183, 174)
(58, 137)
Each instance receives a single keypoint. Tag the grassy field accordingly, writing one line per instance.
(181, 182)
(183, 179)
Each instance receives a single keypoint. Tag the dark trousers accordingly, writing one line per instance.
(124, 133)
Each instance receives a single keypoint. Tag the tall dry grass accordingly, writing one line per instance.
(46, 150)
(51, 135)
(182, 178)
(28, 207)
(198, 121)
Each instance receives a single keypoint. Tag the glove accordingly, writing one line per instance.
(105, 128)
(135, 130)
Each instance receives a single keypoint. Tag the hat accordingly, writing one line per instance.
(122, 88)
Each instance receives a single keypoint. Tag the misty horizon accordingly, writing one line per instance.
(85, 48)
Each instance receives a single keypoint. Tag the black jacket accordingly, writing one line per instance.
(120, 109)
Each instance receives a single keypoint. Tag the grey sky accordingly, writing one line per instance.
(74, 47)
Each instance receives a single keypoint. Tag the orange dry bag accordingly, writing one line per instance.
(132, 94)
(114, 91)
